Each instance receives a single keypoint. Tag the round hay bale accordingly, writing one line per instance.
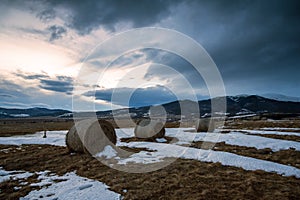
(205, 125)
(90, 136)
(73, 141)
(148, 128)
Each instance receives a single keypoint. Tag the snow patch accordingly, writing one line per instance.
(242, 116)
(71, 187)
(108, 152)
(263, 132)
(228, 159)
(15, 175)
(279, 129)
(235, 138)
(53, 138)
(161, 140)
(19, 115)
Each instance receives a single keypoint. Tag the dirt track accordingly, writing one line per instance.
(183, 179)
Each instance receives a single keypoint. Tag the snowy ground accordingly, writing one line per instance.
(70, 186)
(53, 137)
(273, 131)
(80, 188)
(6, 175)
(236, 138)
(280, 129)
(225, 158)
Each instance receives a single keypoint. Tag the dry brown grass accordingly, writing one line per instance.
(32, 125)
(183, 179)
(252, 124)
(274, 136)
(9, 127)
(286, 157)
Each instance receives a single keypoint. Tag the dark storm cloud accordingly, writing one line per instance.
(56, 32)
(174, 61)
(63, 84)
(10, 90)
(245, 38)
(56, 86)
(255, 44)
(31, 76)
(32, 31)
(256, 41)
(3, 95)
(88, 15)
(23, 96)
(168, 61)
(46, 15)
(139, 97)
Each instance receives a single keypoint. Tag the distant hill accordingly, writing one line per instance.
(31, 112)
(236, 105)
(280, 97)
(258, 104)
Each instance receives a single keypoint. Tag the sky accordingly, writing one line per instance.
(45, 45)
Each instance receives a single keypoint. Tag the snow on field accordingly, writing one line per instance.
(53, 137)
(263, 132)
(70, 187)
(229, 159)
(175, 150)
(6, 175)
(161, 140)
(242, 116)
(279, 129)
(234, 138)
(107, 152)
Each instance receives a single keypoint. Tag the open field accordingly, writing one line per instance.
(183, 179)
(250, 124)
(246, 162)
(31, 125)
(9, 127)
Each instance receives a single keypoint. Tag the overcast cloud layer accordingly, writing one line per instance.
(255, 45)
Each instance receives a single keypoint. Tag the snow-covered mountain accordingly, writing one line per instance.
(236, 105)
(31, 112)
(280, 97)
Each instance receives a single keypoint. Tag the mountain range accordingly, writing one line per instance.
(31, 112)
(236, 105)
